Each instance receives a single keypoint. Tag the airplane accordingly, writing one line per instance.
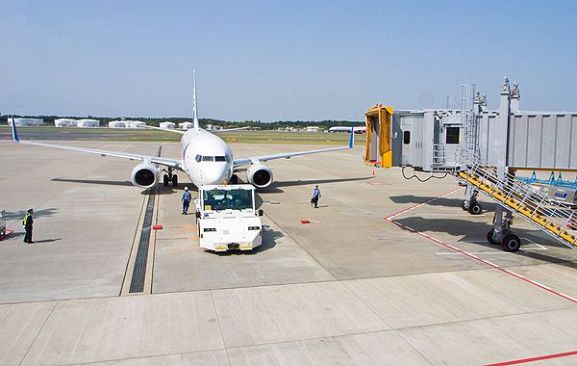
(206, 159)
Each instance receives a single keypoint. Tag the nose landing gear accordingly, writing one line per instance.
(170, 178)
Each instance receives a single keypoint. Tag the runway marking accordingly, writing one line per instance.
(533, 359)
(471, 255)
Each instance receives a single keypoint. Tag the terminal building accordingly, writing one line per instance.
(116, 124)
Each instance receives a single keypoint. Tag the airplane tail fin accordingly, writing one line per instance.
(14, 131)
(194, 110)
(352, 138)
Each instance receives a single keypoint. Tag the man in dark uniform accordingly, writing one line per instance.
(28, 221)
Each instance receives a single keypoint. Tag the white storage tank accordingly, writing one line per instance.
(88, 123)
(167, 125)
(116, 124)
(27, 121)
(135, 124)
(65, 122)
(185, 125)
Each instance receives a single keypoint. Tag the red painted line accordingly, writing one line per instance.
(411, 208)
(533, 359)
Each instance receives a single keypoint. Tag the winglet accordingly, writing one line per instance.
(194, 111)
(14, 132)
(352, 138)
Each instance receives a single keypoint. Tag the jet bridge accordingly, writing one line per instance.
(485, 149)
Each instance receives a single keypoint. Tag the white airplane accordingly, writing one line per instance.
(206, 159)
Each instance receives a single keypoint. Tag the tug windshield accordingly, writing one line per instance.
(218, 199)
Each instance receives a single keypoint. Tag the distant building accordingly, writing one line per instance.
(135, 124)
(65, 122)
(167, 125)
(116, 124)
(26, 121)
(88, 123)
(360, 129)
(185, 125)
(312, 129)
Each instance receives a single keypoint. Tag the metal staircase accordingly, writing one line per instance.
(554, 218)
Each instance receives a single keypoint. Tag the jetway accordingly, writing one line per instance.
(484, 150)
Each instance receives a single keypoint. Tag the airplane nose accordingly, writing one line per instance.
(214, 176)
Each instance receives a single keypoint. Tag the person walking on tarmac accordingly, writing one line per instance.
(186, 198)
(315, 197)
(27, 222)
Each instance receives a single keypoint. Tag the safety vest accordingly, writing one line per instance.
(25, 219)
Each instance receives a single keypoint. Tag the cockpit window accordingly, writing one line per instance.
(198, 158)
(208, 158)
(219, 158)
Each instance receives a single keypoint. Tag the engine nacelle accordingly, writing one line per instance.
(259, 175)
(144, 175)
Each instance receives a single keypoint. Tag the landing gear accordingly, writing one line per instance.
(170, 178)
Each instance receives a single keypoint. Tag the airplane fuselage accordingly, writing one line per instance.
(206, 158)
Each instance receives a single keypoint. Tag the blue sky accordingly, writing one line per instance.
(280, 60)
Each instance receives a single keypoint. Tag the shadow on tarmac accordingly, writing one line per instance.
(441, 201)
(275, 187)
(476, 231)
(126, 183)
(46, 212)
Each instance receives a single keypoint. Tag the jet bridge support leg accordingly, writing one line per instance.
(501, 232)
(470, 203)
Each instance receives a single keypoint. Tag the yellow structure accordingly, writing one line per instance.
(378, 150)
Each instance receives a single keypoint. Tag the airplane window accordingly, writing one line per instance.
(219, 158)
(208, 158)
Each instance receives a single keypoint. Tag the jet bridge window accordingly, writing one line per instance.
(453, 135)
(407, 137)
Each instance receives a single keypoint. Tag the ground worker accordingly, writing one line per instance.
(27, 222)
(315, 197)
(186, 198)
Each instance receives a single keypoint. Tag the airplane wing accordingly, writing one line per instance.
(253, 159)
(228, 130)
(165, 129)
(173, 163)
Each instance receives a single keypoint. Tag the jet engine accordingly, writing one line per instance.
(144, 175)
(259, 175)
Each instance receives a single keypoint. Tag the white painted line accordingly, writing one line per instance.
(476, 253)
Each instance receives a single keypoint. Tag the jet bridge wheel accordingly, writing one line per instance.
(511, 243)
(464, 206)
(490, 237)
(475, 208)
(174, 180)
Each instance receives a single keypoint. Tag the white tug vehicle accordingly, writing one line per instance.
(226, 218)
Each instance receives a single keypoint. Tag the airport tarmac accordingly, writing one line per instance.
(388, 272)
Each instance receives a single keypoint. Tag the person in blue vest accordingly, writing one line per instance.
(28, 222)
(315, 197)
(186, 198)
